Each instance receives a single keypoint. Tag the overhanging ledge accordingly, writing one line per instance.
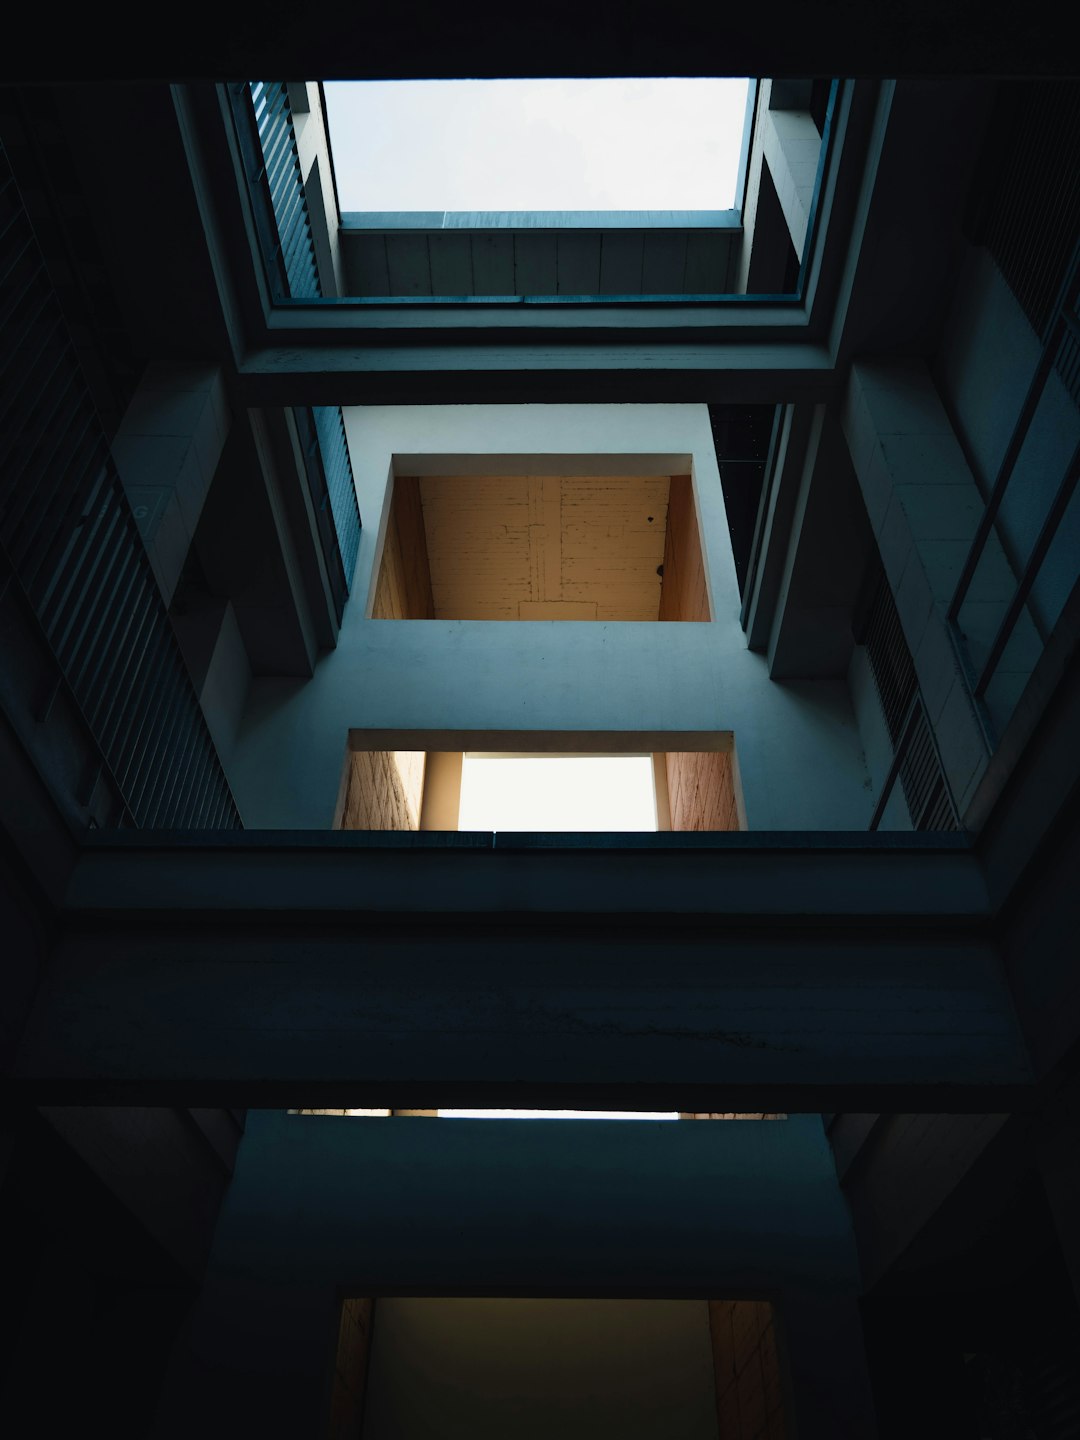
(818, 878)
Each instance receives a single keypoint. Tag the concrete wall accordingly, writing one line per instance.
(323, 1207)
(800, 758)
(479, 1368)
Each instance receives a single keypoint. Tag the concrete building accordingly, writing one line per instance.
(297, 510)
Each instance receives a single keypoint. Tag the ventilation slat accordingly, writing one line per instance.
(917, 764)
(68, 536)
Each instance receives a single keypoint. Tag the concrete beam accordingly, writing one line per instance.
(791, 146)
(675, 878)
(528, 976)
(316, 371)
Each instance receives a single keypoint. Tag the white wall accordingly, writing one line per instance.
(799, 753)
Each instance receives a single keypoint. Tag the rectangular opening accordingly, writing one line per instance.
(534, 547)
(548, 791)
(649, 1369)
(552, 145)
(557, 792)
(550, 1114)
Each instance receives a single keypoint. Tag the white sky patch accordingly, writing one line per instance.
(646, 144)
(561, 1114)
(558, 793)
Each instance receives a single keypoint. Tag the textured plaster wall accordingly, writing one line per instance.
(384, 790)
(800, 756)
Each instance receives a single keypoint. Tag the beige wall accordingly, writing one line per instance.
(749, 1393)
(701, 791)
(383, 790)
(536, 1368)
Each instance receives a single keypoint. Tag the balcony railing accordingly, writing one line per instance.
(69, 541)
(333, 494)
(275, 180)
(1022, 629)
(1025, 210)
(268, 145)
(916, 763)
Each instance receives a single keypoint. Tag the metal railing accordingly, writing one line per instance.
(268, 145)
(1026, 212)
(337, 467)
(916, 762)
(917, 765)
(70, 542)
(333, 494)
(275, 179)
(1060, 353)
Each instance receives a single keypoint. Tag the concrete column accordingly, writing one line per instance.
(924, 508)
(167, 451)
(442, 790)
(754, 165)
(792, 146)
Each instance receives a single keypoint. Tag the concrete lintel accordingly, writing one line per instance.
(674, 878)
(462, 374)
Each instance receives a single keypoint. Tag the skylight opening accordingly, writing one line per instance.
(538, 145)
(552, 793)
(560, 1114)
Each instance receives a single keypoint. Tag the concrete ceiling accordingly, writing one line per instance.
(545, 548)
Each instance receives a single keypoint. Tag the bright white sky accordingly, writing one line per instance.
(558, 792)
(648, 144)
(562, 1114)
